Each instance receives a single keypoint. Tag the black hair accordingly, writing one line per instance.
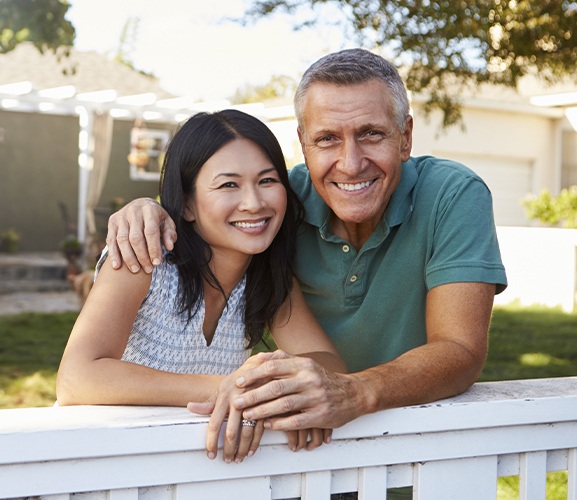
(270, 273)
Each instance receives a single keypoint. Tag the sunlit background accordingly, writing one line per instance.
(194, 50)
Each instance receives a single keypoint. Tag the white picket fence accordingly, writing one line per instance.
(450, 449)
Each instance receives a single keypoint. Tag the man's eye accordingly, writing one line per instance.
(325, 140)
(373, 134)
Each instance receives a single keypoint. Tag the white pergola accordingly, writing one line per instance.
(96, 110)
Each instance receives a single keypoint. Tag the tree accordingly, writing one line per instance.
(553, 210)
(449, 45)
(41, 22)
(278, 86)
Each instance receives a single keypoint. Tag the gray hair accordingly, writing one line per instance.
(354, 66)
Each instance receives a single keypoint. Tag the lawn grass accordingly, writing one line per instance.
(31, 345)
(531, 342)
(523, 343)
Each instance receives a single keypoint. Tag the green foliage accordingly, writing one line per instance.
(448, 45)
(508, 487)
(9, 241)
(278, 86)
(553, 210)
(41, 22)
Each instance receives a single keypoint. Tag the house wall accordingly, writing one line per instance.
(39, 168)
(515, 152)
(541, 265)
(118, 182)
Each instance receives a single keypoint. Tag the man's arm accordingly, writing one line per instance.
(458, 317)
(135, 233)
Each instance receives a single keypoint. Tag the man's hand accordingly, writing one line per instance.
(299, 394)
(239, 441)
(135, 233)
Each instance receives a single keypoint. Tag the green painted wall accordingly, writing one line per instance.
(39, 168)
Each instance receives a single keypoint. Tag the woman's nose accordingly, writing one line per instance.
(251, 200)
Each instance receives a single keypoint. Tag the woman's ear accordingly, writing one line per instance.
(188, 212)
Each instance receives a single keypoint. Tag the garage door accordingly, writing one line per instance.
(509, 179)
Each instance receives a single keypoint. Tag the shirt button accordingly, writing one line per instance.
(346, 248)
(353, 278)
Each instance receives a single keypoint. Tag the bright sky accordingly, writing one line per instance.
(193, 51)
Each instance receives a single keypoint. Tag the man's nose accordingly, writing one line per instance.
(352, 160)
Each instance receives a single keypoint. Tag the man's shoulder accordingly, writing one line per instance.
(442, 168)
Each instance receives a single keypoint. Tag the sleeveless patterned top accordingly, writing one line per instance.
(163, 339)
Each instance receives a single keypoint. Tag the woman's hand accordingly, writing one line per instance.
(240, 440)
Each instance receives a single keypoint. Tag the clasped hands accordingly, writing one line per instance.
(278, 391)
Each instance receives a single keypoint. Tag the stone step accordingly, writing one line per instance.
(33, 272)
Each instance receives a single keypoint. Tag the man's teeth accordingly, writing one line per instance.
(249, 224)
(354, 187)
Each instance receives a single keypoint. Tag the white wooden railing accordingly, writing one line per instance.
(450, 449)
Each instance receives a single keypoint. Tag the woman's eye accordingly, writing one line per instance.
(228, 185)
(269, 180)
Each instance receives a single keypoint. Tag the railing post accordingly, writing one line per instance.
(471, 478)
(316, 485)
(372, 482)
(572, 475)
(533, 476)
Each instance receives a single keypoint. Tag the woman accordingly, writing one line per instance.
(185, 332)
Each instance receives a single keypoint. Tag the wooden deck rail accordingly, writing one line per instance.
(450, 449)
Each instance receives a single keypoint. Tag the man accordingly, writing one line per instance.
(398, 259)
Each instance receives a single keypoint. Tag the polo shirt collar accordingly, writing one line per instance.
(401, 203)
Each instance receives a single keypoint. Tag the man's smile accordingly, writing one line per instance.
(346, 186)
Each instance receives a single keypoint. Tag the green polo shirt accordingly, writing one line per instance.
(437, 229)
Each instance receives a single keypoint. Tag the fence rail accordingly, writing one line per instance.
(450, 449)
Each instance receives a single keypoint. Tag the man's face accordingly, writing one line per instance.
(353, 149)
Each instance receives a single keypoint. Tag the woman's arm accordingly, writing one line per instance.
(91, 371)
(296, 331)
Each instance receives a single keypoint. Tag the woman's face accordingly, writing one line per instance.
(239, 201)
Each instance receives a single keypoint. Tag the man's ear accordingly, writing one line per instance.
(407, 139)
(302, 141)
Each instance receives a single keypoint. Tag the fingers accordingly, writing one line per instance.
(117, 242)
(276, 397)
(277, 364)
(308, 439)
(316, 439)
(215, 423)
(327, 435)
(168, 230)
(205, 408)
(297, 440)
(231, 436)
(249, 441)
(134, 235)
